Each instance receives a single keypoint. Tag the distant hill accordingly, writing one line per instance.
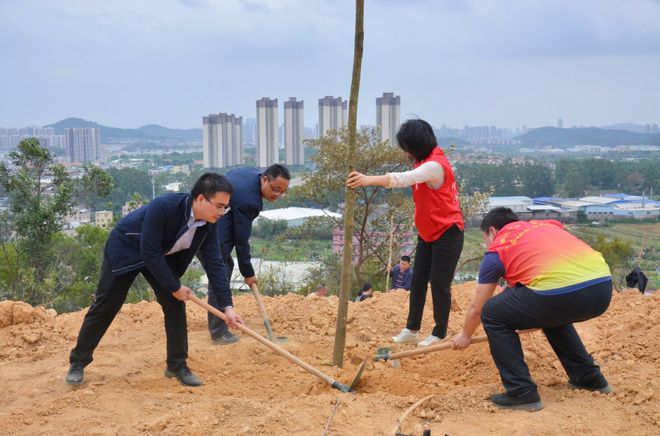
(585, 136)
(631, 127)
(449, 140)
(150, 131)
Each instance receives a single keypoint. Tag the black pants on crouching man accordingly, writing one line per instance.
(520, 308)
(110, 296)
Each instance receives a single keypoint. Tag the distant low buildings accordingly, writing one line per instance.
(78, 216)
(608, 207)
(528, 209)
(103, 218)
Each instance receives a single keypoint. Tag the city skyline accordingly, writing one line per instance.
(476, 62)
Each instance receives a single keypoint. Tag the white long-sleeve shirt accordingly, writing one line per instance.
(430, 173)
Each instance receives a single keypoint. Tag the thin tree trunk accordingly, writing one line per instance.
(349, 211)
(389, 256)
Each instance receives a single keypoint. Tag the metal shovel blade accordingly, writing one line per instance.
(356, 379)
(383, 354)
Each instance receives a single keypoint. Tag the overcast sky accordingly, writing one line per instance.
(127, 63)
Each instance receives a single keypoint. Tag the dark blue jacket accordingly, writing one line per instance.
(143, 237)
(407, 277)
(235, 228)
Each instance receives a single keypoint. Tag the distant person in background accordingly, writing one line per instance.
(401, 275)
(321, 291)
(439, 223)
(250, 188)
(365, 292)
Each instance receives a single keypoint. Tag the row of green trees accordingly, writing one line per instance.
(35, 256)
(575, 177)
(570, 177)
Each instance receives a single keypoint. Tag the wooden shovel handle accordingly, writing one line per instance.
(262, 309)
(279, 350)
(432, 348)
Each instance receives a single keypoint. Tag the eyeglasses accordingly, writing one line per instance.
(223, 209)
(276, 191)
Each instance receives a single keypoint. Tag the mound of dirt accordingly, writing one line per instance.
(250, 390)
(17, 312)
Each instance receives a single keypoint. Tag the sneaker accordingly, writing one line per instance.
(529, 401)
(74, 375)
(225, 338)
(184, 376)
(599, 384)
(430, 339)
(406, 337)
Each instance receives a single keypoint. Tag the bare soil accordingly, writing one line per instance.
(250, 390)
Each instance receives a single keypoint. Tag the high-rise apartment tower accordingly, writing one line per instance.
(268, 151)
(388, 116)
(333, 114)
(294, 132)
(222, 139)
(83, 144)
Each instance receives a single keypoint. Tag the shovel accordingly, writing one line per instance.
(264, 315)
(276, 348)
(385, 354)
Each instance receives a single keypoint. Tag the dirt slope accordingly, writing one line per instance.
(250, 390)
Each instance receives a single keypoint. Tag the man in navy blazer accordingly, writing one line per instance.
(159, 240)
(234, 230)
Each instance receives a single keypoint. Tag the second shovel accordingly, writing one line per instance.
(264, 315)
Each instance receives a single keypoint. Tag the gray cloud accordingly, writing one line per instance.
(195, 3)
(456, 61)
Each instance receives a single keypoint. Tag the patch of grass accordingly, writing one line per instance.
(292, 250)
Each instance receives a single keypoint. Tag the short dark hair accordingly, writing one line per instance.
(211, 183)
(405, 258)
(416, 137)
(277, 170)
(365, 287)
(498, 218)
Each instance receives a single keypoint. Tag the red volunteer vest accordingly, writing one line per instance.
(436, 210)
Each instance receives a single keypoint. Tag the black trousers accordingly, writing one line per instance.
(520, 308)
(436, 261)
(216, 325)
(110, 296)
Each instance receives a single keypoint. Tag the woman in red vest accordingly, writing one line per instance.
(439, 224)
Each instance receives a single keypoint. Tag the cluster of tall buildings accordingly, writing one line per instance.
(80, 144)
(225, 150)
(10, 137)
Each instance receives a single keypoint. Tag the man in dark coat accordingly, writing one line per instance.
(234, 230)
(159, 240)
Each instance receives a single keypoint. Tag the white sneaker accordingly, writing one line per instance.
(406, 337)
(429, 340)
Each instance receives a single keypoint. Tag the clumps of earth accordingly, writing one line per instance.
(250, 390)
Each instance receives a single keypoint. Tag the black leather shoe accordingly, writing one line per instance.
(599, 384)
(225, 338)
(184, 376)
(529, 401)
(74, 375)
